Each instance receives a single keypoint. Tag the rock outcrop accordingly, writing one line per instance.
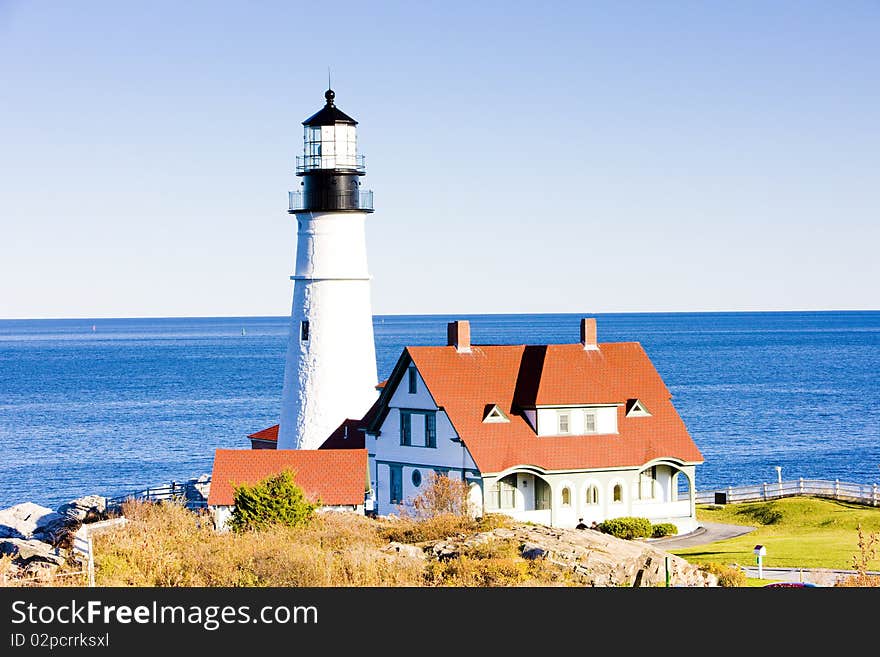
(38, 541)
(595, 558)
(23, 520)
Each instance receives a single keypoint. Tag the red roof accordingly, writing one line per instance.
(348, 435)
(333, 476)
(270, 433)
(519, 376)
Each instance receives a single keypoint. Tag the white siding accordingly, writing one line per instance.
(386, 449)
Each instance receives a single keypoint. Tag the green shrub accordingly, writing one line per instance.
(627, 527)
(728, 576)
(276, 500)
(663, 529)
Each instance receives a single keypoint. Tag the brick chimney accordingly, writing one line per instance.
(458, 335)
(588, 333)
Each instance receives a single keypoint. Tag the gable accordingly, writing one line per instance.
(493, 413)
(636, 408)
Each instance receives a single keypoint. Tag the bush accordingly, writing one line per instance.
(663, 529)
(627, 527)
(441, 496)
(728, 576)
(276, 500)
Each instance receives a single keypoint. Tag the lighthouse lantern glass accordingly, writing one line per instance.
(330, 146)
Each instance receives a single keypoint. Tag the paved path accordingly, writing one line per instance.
(707, 532)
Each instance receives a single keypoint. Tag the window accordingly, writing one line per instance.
(562, 419)
(618, 493)
(416, 478)
(507, 487)
(304, 331)
(412, 380)
(592, 495)
(502, 494)
(589, 421)
(566, 496)
(431, 430)
(396, 487)
(647, 479)
(405, 428)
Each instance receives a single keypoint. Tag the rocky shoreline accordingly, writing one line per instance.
(36, 542)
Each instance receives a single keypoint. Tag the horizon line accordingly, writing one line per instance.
(463, 315)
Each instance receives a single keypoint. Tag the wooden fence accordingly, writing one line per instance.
(182, 493)
(838, 490)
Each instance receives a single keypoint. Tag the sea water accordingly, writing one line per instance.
(109, 406)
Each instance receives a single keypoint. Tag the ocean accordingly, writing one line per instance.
(109, 406)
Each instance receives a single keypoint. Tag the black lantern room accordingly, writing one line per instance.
(330, 165)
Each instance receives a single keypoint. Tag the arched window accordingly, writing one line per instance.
(566, 496)
(592, 495)
(618, 493)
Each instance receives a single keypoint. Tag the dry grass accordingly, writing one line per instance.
(496, 563)
(432, 528)
(166, 545)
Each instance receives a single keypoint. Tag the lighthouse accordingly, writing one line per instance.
(330, 368)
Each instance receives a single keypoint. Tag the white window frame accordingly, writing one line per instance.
(566, 417)
(590, 413)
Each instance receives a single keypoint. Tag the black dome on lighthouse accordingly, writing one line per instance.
(329, 114)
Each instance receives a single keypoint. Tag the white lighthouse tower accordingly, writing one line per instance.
(330, 371)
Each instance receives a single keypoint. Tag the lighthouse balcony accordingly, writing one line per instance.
(354, 163)
(360, 200)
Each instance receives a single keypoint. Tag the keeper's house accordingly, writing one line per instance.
(545, 433)
(337, 478)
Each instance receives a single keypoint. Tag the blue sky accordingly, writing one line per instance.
(525, 157)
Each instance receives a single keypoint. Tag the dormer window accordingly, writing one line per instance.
(589, 421)
(494, 414)
(563, 422)
(635, 408)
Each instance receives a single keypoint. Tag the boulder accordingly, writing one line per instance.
(531, 551)
(23, 520)
(29, 550)
(197, 490)
(404, 549)
(90, 508)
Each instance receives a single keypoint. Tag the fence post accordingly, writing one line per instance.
(874, 495)
(729, 494)
(801, 486)
(836, 489)
(91, 564)
(765, 490)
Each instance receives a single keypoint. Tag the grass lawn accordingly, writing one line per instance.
(798, 532)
